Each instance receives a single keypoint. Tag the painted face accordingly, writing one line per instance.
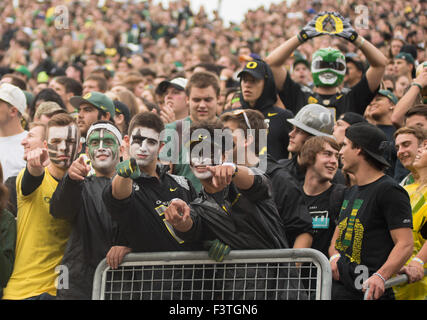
(144, 145)
(103, 149)
(62, 145)
(328, 67)
(203, 155)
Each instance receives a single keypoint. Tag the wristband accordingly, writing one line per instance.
(334, 257)
(418, 260)
(379, 276)
(417, 85)
(300, 39)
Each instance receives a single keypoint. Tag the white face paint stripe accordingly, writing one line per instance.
(144, 148)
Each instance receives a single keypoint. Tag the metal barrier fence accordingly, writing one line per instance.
(243, 275)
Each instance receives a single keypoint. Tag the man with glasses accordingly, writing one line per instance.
(328, 68)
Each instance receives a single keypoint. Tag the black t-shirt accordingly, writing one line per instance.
(295, 96)
(367, 216)
(141, 216)
(324, 213)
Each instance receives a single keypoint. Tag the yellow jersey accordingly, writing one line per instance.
(416, 290)
(40, 242)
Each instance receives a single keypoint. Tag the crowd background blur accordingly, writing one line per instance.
(135, 45)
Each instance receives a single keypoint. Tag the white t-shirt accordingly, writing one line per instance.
(12, 155)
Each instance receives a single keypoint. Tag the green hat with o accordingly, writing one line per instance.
(96, 99)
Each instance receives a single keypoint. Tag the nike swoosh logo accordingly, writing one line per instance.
(172, 190)
(271, 114)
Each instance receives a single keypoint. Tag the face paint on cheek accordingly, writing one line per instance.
(198, 167)
(71, 145)
(144, 145)
(103, 149)
(62, 145)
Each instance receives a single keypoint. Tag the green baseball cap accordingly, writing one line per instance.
(96, 99)
(406, 56)
(389, 94)
(24, 70)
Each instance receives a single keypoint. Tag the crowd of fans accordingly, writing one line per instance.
(83, 82)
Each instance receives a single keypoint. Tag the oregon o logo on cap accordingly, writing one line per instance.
(87, 95)
(251, 65)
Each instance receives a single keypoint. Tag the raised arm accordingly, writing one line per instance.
(409, 99)
(377, 60)
(278, 57)
(127, 170)
(37, 161)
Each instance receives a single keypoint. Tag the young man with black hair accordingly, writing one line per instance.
(92, 106)
(373, 238)
(78, 200)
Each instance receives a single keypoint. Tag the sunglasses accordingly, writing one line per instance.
(239, 112)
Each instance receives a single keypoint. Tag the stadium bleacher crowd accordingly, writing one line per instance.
(109, 119)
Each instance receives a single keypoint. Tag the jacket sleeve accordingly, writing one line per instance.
(7, 247)
(261, 188)
(67, 199)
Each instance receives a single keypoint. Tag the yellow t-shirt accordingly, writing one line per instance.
(40, 242)
(416, 290)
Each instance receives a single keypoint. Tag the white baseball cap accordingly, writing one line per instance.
(178, 83)
(14, 96)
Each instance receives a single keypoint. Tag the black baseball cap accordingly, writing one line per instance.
(256, 68)
(370, 138)
(352, 118)
(121, 108)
